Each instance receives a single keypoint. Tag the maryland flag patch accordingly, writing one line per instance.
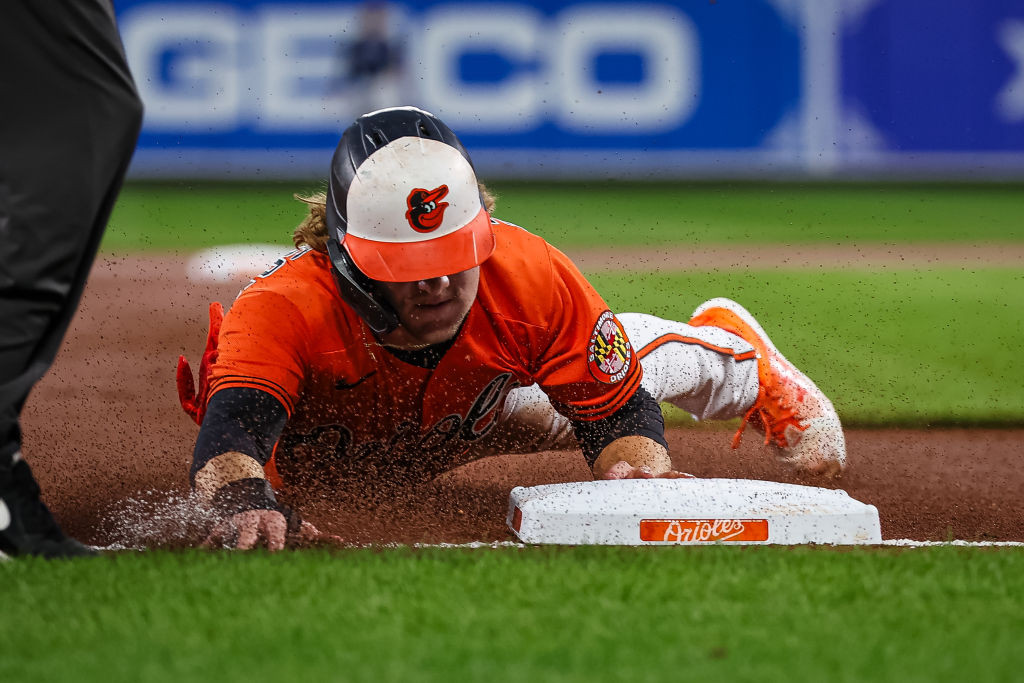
(609, 355)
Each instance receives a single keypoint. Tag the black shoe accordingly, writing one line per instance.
(26, 525)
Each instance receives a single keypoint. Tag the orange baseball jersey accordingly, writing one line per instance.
(354, 405)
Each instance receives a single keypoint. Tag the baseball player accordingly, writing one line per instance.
(411, 331)
(69, 120)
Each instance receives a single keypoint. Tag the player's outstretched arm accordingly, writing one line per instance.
(236, 439)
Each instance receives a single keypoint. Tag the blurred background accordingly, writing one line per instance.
(684, 89)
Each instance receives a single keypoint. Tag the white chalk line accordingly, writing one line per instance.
(476, 545)
(902, 543)
(906, 542)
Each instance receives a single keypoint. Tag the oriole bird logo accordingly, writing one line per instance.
(426, 210)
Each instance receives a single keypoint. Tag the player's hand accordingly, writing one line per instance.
(624, 470)
(250, 529)
(265, 529)
(193, 400)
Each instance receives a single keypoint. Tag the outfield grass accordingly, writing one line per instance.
(758, 213)
(187, 215)
(183, 214)
(909, 347)
(534, 614)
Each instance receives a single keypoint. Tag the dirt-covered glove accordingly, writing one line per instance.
(193, 400)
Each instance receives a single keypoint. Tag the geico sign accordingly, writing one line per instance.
(219, 68)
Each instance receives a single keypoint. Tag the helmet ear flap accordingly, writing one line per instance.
(355, 288)
(357, 291)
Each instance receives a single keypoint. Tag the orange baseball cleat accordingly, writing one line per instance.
(794, 414)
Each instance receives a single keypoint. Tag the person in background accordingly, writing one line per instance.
(371, 65)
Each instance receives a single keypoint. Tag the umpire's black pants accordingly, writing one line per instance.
(69, 121)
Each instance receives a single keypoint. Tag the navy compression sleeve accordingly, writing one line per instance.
(239, 419)
(639, 416)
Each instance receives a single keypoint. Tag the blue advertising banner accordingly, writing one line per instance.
(935, 84)
(667, 88)
(265, 88)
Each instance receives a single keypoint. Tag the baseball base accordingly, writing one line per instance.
(232, 262)
(689, 512)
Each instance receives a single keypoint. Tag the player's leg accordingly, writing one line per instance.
(722, 365)
(708, 372)
(715, 367)
(67, 129)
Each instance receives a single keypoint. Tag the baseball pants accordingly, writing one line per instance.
(693, 368)
(69, 122)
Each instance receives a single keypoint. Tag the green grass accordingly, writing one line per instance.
(913, 347)
(187, 215)
(535, 614)
(758, 213)
(182, 214)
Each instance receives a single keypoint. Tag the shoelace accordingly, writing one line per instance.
(774, 423)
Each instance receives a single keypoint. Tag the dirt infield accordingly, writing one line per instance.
(111, 446)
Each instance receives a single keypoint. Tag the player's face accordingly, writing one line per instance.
(430, 311)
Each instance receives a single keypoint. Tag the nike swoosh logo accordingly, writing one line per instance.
(5, 515)
(341, 384)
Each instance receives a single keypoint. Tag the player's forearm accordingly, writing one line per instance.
(638, 451)
(224, 469)
(237, 437)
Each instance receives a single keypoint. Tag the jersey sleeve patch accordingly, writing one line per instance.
(609, 353)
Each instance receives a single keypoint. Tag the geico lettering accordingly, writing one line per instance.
(278, 264)
(667, 94)
(552, 69)
(186, 65)
(213, 68)
(516, 33)
(302, 63)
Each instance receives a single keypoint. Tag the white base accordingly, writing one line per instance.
(689, 512)
(233, 262)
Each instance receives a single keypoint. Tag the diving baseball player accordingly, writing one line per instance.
(411, 332)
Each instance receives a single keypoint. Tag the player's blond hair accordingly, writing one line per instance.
(312, 231)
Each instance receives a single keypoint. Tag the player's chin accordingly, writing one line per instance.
(432, 328)
(435, 319)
